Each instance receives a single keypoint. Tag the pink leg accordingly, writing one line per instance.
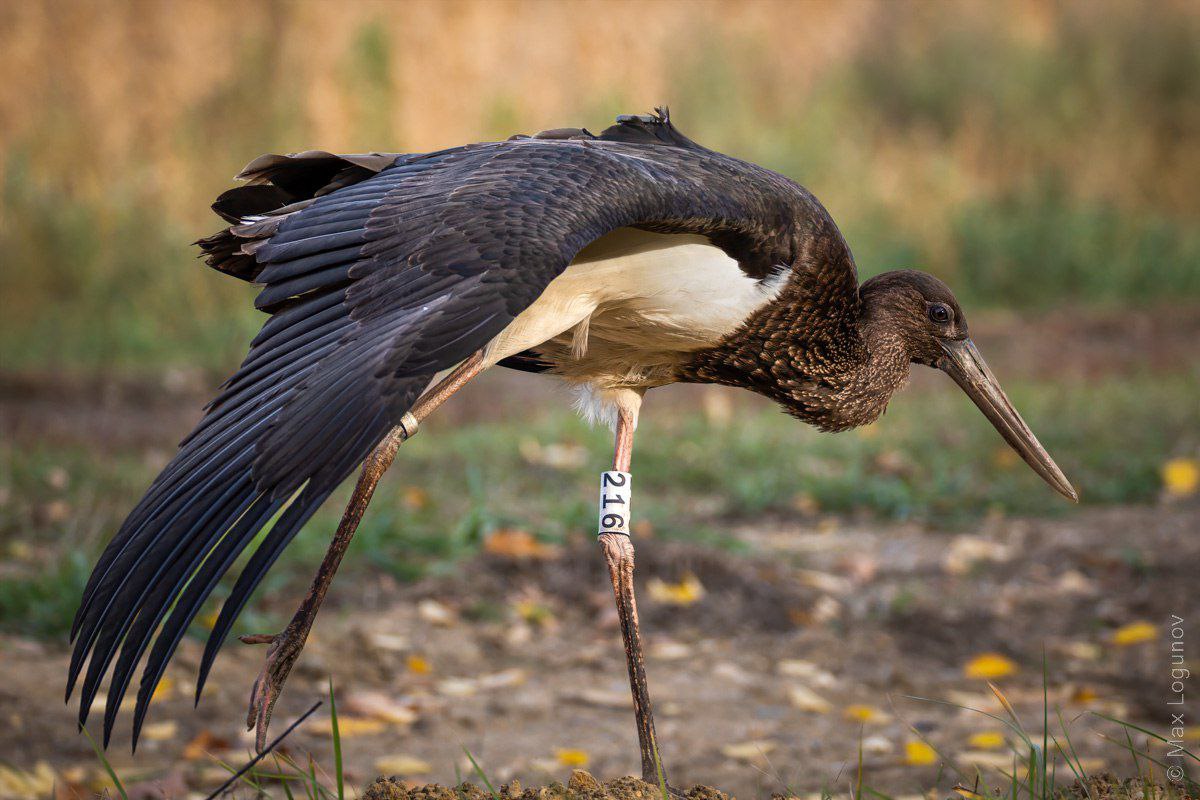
(618, 552)
(285, 647)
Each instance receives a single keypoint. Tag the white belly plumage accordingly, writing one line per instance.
(629, 308)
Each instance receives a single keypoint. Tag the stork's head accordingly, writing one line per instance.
(917, 312)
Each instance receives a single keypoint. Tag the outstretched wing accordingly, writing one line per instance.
(380, 271)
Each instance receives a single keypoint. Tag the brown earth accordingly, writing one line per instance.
(769, 669)
(769, 681)
(583, 786)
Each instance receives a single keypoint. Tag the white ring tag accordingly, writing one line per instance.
(614, 502)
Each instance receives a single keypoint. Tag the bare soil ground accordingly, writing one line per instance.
(583, 786)
(770, 668)
(792, 657)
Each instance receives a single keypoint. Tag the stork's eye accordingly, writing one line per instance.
(939, 313)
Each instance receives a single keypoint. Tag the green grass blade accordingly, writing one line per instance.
(337, 744)
(483, 777)
(1151, 734)
(662, 777)
(108, 767)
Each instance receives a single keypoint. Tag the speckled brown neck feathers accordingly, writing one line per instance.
(827, 355)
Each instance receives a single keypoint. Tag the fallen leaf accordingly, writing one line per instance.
(731, 673)
(518, 545)
(20, 784)
(919, 754)
(599, 698)
(160, 731)
(349, 727)
(1134, 633)
(861, 713)
(435, 613)
(1083, 651)
(684, 593)
(670, 650)
(806, 670)
(503, 679)
(877, 745)
(417, 665)
(753, 750)
(202, 744)
(402, 765)
(457, 687)
(388, 642)
(825, 609)
(993, 759)
(1083, 694)
(966, 551)
(570, 757)
(377, 705)
(806, 699)
(988, 666)
(824, 582)
(986, 740)
(415, 498)
(1181, 476)
(164, 689)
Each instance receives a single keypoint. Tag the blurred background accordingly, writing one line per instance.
(1042, 158)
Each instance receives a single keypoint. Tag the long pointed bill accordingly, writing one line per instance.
(963, 363)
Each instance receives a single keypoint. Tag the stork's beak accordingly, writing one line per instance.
(968, 369)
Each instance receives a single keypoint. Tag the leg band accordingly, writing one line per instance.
(615, 495)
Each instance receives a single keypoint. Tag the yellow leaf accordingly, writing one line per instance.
(352, 726)
(163, 690)
(1134, 633)
(160, 731)
(919, 754)
(209, 620)
(687, 591)
(987, 666)
(203, 744)
(571, 758)
(986, 740)
(402, 765)
(418, 665)
(1083, 694)
(861, 713)
(1003, 700)
(963, 791)
(1181, 476)
(518, 544)
(752, 751)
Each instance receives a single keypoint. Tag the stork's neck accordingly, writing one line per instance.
(832, 375)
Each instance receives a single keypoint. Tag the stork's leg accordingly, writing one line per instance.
(618, 552)
(285, 647)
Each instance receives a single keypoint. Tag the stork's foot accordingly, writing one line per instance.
(282, 651)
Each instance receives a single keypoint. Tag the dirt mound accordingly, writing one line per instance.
(582, 786)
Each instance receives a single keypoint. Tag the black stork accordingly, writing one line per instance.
(621, 261)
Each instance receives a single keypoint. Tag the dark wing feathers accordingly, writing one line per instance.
(379, 271)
